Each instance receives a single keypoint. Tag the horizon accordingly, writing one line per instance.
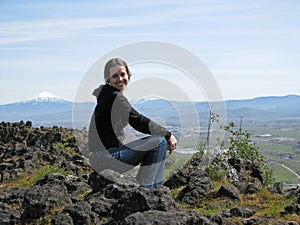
(51, 95)
(251, 48)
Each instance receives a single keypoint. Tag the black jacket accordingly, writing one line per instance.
(113, 112)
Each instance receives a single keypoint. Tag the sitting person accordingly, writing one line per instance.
(106, 132)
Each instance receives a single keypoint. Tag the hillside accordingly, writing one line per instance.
(49, 110)
(45, 179)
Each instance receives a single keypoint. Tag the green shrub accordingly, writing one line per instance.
(216, 173)
(241, 147)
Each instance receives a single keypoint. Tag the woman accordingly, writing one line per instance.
(112, 113)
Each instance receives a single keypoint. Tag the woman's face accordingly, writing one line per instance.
(118, 77)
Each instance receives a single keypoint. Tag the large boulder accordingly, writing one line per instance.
(199, 184)
(143, 199)
(45, 195)
(99, 180)
(180, 178)
(229, 192)
(181, 217)
(81, 213)
(242, 212)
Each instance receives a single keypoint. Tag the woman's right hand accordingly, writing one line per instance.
(172, 144)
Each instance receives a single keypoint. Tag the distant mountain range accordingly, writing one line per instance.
(48, 110)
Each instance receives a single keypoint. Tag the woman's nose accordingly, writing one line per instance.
(119, 78)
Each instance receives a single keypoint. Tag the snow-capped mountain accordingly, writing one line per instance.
(45, 109)
(45, 96)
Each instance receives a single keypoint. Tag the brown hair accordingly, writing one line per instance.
(114, 62)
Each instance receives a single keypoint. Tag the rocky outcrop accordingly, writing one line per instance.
(78, 195)
(23, 148)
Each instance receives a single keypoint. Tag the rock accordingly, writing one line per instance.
(76, 187)
(27, 165)
(179, 178)
(8, 215)
(100, 204)
(54, 178)
(62, 219)
(81, 213)
(218, 219)
(41, 199)
(143, 199)
(258, 220)
(229, 191)
(116, 190)
(295, 192)
(248, 188)
(12, 196)
(242, 212)
(258, 173)
(279, 223)
(292, 223)
(164, 218)
(277, 188)
(105, 177)
(236, 164)
(199, 184)
(293, 208)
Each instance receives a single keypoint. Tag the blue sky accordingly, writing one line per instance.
(251, 47)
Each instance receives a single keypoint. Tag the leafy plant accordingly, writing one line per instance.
(216, 173)
(241, 147)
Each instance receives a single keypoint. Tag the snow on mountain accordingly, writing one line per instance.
(45, 96)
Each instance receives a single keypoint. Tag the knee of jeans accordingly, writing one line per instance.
(162, 141)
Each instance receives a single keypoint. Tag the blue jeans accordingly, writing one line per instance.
(149, 152)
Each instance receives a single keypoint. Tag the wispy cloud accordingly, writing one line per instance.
(146, 14)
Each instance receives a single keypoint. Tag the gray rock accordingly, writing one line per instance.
(292, 223)
(293, 208)
(100, 204)
(277, 188)
(199, 184)
(258, 220)
(242, 212)
(12, 196)
(229, 191)
(105, 177)
(8, 215)
(116, 190)
(76, 187)
(39, 200)
(248, 188)
(182, 217)
(258, 173)
(179, 178)
(143, 199)
(62, 219)
(81, 213)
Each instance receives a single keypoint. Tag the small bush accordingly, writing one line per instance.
(216, 173)
(241, 147)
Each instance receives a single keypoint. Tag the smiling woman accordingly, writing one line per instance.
(106, 133)
(117, 74)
